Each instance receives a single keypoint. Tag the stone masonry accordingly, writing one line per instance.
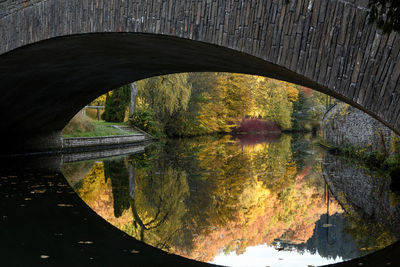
(345, 125)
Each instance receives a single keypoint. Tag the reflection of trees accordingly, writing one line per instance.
(226, 172)
(274, 164)
(143, 196)
(96, 191)
(115, 169)
(238, 197)
(257, 194)
(198, 197)
(368, 234)
(157, 203)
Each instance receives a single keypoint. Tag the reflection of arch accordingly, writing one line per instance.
(56, 57)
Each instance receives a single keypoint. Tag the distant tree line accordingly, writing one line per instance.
(191, 104)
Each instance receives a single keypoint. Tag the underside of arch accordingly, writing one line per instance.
(46, 83)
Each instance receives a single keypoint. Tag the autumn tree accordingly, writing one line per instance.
(226, 102)
(186, 122)
(164, 95)
(199, 103)
(274, 101)
(159, 99)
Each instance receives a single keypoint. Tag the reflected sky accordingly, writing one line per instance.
(264, 255)
(264, 200)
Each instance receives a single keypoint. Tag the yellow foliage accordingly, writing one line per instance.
(292, 91)
(243, 196)
(239, 95)
(93, 183)
(96, 192)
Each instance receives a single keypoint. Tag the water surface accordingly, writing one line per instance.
(242, 201)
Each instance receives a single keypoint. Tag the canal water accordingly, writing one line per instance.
(247, 200)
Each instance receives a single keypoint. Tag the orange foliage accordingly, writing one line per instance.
(290, 218)
(306, 90)
(96, 192)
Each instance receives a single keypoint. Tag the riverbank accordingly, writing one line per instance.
(99, 129)
(353, 134)
(85, 134)
(372, 159)
(84, 143)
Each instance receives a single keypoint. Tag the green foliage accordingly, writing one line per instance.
(164, 95)
(317, 109)
(116, 104)
(144, 119)
(301, 113)
(186, 122)
(274, 101)
(393, 162)
(372, 159)
(100, 128)
(160, 100)
(225, 103)
(235, 96)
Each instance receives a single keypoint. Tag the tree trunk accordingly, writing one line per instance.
(132, 106)
(131, 172)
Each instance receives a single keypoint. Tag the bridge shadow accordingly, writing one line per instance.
(44, 222)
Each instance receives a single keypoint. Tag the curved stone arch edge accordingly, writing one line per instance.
(271, 70)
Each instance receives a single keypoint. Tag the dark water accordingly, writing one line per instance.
(246, 200)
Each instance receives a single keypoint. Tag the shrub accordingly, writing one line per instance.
(79, 123)
(184, 125)
(144, 119)
(252, 125)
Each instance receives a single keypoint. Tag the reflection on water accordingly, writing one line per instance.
(371, 208)
(221, 199)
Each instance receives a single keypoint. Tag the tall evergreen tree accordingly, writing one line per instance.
(301, 112)
(116, 104)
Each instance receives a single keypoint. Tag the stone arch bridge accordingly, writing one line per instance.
(58, 55)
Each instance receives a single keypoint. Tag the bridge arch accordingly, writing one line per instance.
(57, 55)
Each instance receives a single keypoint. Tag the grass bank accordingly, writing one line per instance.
(371, 159)
(86, 127)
